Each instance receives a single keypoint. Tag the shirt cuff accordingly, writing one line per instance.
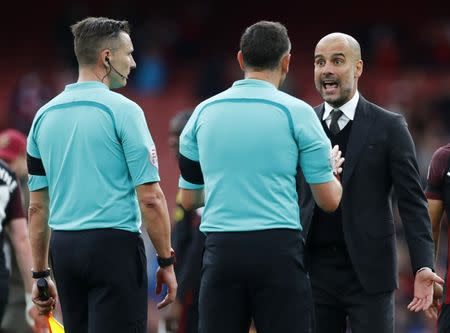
(424, 268)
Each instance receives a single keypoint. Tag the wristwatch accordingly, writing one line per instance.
(165, 262)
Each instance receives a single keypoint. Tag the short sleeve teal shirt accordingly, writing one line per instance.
(249, 141)
(95, 148)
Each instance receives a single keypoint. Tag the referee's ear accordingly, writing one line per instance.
(240, 59)
(285, 60)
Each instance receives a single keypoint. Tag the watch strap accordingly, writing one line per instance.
(165, 262)
(40, 274)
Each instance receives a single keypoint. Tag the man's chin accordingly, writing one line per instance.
(329, 98)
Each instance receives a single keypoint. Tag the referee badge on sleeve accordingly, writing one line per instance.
(153, 156)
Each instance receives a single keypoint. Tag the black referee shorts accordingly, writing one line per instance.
(257, 275)
(101, 279)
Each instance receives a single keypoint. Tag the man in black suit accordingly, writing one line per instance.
(352, 251)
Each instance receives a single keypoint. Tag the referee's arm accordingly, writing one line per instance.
(192, 199)
(152, 203)
(155, 215)
(39, 233)
(327, 195)
(39, 230)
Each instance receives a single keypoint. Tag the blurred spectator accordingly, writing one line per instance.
(151, 74)
(435, 42)
(29, 95)
(23, 316)
(188, 243)
(210, 79)
(385, 48)
(192, 30)
(438, 195)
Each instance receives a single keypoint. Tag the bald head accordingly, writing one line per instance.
(348, 40)
(337, 68)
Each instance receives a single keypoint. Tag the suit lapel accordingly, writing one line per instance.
(320, 110)
(360, 129)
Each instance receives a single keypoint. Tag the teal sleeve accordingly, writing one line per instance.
(188, 138)
(184, 184)
(35, 182)
(189, 148)
(314, 147)
(138, 146)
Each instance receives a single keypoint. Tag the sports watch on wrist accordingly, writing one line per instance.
(40, 274)
(166, 262)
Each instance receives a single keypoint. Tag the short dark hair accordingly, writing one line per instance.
(92, 34)
(263, 44)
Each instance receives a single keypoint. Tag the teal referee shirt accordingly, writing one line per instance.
(249, 141)
(91, 147)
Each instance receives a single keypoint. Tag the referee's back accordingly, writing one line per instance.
(247, 141)
(92, 161)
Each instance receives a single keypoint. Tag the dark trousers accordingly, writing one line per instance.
(4, 290)
(101, 279)
(338, 295)
(444, 319)
(189, 313)
(259, 275)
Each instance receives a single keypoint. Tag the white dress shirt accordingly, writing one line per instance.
(348, 110)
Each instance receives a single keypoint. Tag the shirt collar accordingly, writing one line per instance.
(86, 85)
(253, 83)
(348, 109)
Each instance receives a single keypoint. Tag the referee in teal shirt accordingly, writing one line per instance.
(93, 172)
(239, 155)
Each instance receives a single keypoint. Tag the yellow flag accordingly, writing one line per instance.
(54, 325)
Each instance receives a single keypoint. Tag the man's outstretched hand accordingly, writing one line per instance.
(423, 290)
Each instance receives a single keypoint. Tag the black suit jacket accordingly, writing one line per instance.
(380, 156)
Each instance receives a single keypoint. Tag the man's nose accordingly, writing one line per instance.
(327, 68)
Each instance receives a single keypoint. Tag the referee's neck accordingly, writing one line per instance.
(273, 77)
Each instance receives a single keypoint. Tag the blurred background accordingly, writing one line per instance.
(186, 50)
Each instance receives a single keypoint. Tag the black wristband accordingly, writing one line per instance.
(166, 262)
(41, 274)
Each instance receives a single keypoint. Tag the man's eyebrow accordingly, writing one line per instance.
(333, 55)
